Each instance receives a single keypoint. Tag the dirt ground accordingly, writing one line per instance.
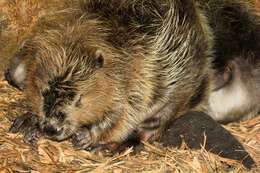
(16, 19)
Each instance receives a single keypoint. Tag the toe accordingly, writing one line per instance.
(23, 122)
(17, 125)
(82, 140)
(32, 136)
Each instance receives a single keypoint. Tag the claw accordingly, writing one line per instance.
(82, 140)
(21, 123)
(27, 124)
(32, 136)
(17, 125)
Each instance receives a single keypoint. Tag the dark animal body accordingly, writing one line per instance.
(235, 92)
(111, 68)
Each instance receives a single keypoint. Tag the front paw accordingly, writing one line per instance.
(23, 122)
(32, 135)
(82, 140)
(28, 125)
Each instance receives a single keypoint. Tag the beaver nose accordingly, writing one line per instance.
(51, 130)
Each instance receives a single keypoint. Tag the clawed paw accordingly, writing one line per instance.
(82, 140)
(32, 136)
(22, 123)
(28, 125)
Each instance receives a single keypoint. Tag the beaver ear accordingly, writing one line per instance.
(15, 74)
(99, 59)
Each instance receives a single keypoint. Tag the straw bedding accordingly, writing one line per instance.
(16, 19)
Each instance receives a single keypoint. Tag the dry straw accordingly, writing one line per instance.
(15, 156)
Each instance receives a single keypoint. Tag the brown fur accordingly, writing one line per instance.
(111, 65)
(147, 64)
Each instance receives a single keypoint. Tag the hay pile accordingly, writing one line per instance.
(16, 19)
(61, 157)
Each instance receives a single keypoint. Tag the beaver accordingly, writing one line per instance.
(100, 72)
(110, 65)
(236, 72)
(239, 87)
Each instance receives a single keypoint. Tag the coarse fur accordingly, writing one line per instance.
(111, 65)
(115, 64)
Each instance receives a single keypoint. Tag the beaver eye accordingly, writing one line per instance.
(78, 103)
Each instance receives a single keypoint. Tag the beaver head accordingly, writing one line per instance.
(69, 81)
